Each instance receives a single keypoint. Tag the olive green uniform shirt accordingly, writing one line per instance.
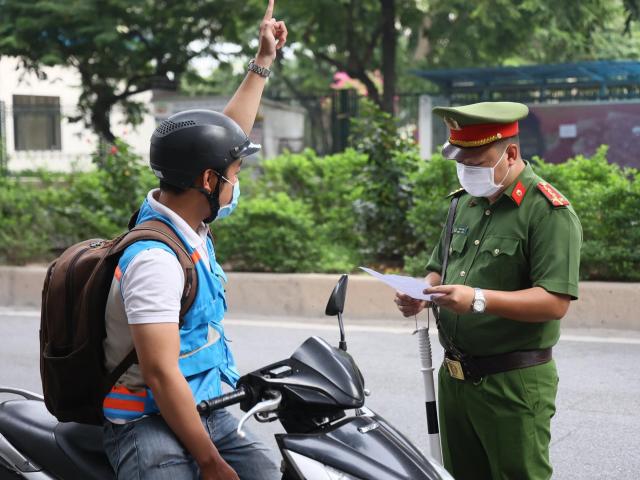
(508, 247)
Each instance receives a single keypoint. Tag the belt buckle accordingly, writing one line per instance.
(455, 368)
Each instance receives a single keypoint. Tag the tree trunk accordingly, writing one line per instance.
(372, 89)
(101, 125)
(101, 120)
(319, 132)
(389, 46)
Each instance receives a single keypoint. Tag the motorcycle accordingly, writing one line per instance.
(317, 394)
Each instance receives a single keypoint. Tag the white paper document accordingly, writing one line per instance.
(407, 285)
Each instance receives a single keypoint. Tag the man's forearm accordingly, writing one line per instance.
(175, 400)
(532, 305)
(243, 106)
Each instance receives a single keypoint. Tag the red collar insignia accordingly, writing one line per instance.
(518, 193)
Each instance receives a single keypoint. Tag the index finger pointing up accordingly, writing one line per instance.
(268, 15)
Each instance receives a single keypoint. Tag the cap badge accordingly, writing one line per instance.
(452, 124)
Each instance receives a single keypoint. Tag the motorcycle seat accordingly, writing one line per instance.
(66, 450)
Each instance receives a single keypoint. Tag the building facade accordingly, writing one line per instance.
(36, 131)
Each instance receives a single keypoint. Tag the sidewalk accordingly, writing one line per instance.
(608, 305)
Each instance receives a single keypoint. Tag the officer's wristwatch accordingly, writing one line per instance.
(479, 301)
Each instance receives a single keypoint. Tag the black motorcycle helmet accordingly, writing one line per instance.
(190, 142)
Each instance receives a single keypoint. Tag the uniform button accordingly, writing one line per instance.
(487, 212)
(462, 273)
(496, 251)
(477, 242)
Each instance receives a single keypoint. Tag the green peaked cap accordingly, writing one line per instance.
(484, 112)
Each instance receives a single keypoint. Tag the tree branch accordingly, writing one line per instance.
(372, 90)
(336, 63)
(372, 44)
(350, 32)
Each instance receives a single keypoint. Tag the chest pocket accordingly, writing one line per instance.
(500, 246)
(500, 264)
(458, 242)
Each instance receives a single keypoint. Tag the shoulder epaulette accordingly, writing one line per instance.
(555, 198)
(456, 193)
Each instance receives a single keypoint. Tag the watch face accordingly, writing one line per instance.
(478, 306)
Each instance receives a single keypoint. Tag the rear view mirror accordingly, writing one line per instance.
(335, 305)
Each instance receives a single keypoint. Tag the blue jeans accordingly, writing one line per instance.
(148, 449)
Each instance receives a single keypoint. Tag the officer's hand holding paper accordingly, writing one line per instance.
(414, 287)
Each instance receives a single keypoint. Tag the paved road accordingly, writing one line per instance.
(596, 432)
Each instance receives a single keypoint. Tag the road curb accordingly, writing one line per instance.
(610, 305)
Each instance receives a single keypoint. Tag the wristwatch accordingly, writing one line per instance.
(255, 68)
(479, 301)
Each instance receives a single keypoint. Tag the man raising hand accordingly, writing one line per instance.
(152, 428)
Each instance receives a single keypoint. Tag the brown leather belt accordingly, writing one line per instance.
(475, 368)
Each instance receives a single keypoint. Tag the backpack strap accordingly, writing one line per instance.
(161, 232)
(134, 218)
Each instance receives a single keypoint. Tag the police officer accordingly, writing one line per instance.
(512, 266)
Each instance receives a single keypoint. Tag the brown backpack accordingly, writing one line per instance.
(72, 323)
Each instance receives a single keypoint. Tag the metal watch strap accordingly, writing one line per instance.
(478, 294)
(255, 68)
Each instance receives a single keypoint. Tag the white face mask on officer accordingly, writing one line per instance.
(479, 181)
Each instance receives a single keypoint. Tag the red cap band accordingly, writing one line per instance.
(482, 134)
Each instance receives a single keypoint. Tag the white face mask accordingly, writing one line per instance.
(228, 209)
(479, 181)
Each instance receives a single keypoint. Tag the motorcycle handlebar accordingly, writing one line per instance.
(222, 401)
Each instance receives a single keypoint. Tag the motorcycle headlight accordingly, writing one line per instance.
(314, 470)
(338, 475)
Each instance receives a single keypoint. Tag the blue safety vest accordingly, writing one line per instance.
(204, 363)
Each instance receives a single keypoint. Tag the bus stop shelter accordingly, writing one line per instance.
(574, 107)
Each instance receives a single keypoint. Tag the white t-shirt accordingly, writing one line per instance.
(149, 292)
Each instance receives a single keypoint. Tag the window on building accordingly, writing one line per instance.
(36, 122)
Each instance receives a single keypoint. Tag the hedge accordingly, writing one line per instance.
(305, 213)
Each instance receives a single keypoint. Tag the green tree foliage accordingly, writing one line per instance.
(495, 32)
(25, 221)
(319, 193)
(391, 161)
(119, 47)
(632, 9)
(270, 234)
(116, 188)
(354, 36)
(607, 200)
(444, 33)
(302, 213)
(41, 214)
(430, 184)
